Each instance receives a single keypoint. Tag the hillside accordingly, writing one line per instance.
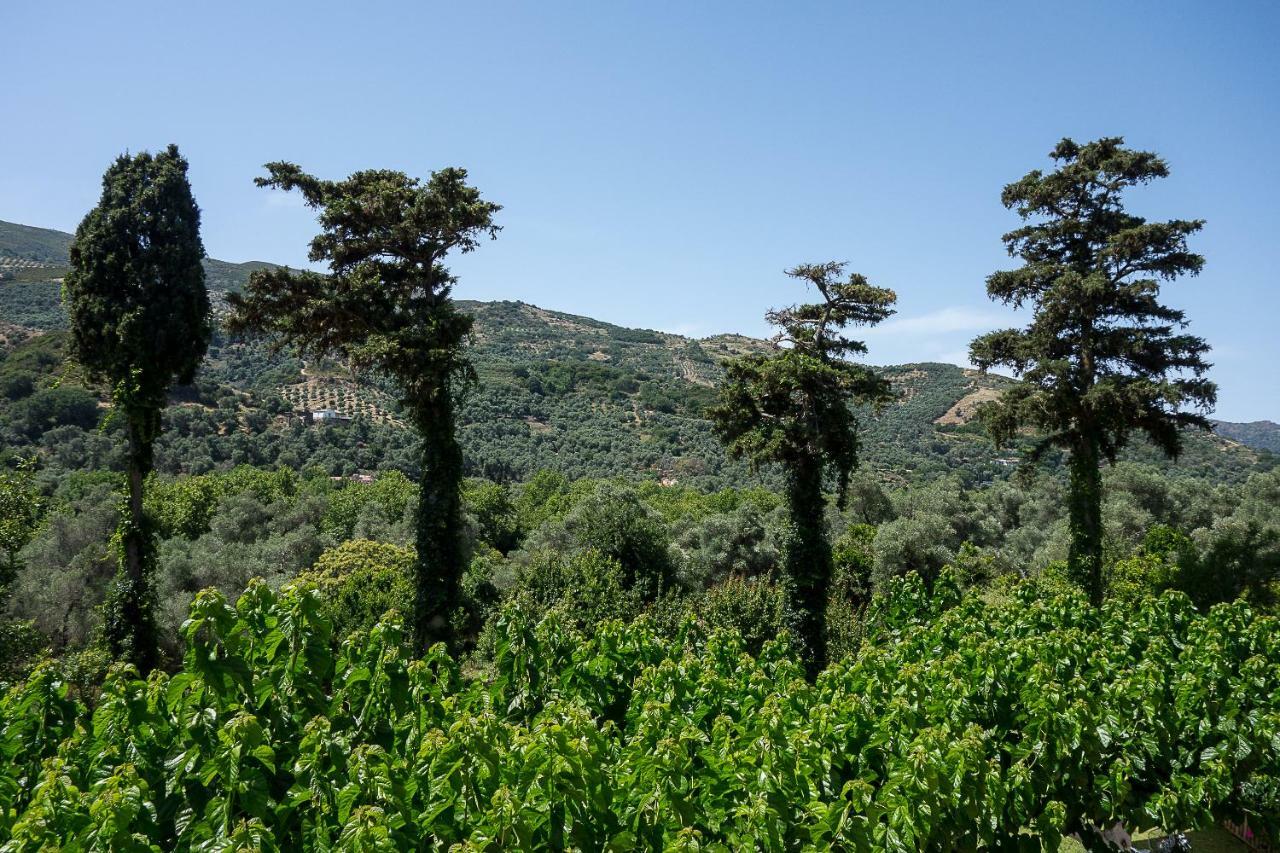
(31, 256)
(35, 245)
(1263, 435)
(556, 390)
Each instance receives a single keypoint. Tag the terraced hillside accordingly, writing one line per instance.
(555, 390)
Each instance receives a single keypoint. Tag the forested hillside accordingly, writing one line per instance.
(1264, 435)
(557, 391)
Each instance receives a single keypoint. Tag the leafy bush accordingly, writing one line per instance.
(17, 385)
(583, 588)
(360, 581)
(613, 521)
(745, 542)
(496, 517)
(962, 725)
(758, 609)
(186, 506)
(358, 509)
(48, 408)
(853, 562)
(66, 567)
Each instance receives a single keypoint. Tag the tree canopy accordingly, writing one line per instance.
(385, 306)
(1102, 357)
(793, 407)
(139, 312)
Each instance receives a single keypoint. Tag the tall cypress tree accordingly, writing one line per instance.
(385, 306)
(792, 407)
(139, 311)
(1102, 357)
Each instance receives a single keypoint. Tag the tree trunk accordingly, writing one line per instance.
(809, 558)
(131, 625)
(1084, 560)
(439, 564)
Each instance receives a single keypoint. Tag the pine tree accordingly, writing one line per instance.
(1101, 358)
(139, 312)
(792, 407)
(385, 306)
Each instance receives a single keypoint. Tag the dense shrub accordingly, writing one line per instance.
(363, 510)
(745, 542)
(496, 517)
(758, 609)
(49, 408)
(583, 588)
(361, 581)
(66, 568)
(612, 521)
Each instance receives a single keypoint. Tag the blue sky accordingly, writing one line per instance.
(660, 163)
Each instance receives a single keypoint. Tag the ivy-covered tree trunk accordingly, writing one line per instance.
(131, 623)
(440, 559)
(1084, 559)
(809, 557)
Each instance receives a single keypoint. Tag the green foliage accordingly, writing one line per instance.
(361, 581)
(1165, 561)
(744, 542)
(919, 543)
(758, 609)
(66, 569)
(185, 507)
(612, 521)
(384, 501)
(792, 407)
(585, 589)
(853, 562)
(962, 725)
(33, 304)
(21, 508)
(541, 496)
(852, 588)
(1102, 358)
(139, 314)
(49, 408)
(494, 512)
(386, 308)
(135, 290)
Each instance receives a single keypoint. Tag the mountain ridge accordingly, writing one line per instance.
(554, 383)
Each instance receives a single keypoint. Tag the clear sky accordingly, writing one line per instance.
(661, 163)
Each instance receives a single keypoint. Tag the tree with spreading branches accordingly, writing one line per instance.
(385, 305)
(1102, 358)
(139, 312)
(793, 407)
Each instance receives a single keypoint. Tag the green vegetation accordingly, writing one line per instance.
(386, 306)
(1102, 358)
(139, 320)
(858, 624)
(961, 724)
(793, 407)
